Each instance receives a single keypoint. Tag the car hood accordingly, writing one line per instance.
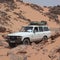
(19, 34)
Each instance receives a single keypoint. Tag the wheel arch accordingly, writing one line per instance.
(27, 38)
(45, 36)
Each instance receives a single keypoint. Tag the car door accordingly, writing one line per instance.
(36, 34)
(40, 33)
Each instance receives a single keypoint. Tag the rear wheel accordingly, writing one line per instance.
(45, 38)
(26, 42)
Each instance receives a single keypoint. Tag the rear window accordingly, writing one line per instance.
(40, 29)
(46, 29)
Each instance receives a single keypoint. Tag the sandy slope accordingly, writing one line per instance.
(20, 16)
(14, 16)
(21, 13)
(39, 51)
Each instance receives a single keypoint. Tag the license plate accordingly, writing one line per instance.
(12, 41)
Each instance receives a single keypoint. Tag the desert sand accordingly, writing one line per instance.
(15, 14)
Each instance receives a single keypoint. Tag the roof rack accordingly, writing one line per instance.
(38, 23)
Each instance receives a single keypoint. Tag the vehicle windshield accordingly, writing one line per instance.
(26, 29)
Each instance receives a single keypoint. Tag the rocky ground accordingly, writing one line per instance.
(49, 50)
(13, 15)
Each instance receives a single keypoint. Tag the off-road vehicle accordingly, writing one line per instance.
(30, 33)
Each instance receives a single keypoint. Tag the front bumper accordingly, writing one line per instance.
(14, 39)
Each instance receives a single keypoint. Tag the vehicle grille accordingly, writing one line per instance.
(12, 37)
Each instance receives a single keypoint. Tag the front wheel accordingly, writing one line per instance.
(26, 42)
(12, 44)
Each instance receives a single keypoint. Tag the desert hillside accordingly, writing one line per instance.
(13, 15)
(16, 13)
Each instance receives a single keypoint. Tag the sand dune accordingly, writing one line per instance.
(15, 14)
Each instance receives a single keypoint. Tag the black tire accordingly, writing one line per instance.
(45, 38)
(26, 42)
(12, 45)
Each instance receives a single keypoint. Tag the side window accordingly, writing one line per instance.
(36, 29)
(46, 29)
(41, 29)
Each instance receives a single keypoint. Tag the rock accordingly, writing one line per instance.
(2, 1)
(17, 57)
(2, 29)
(4, 44)
(18, 50)
(53, 53)
(1, 43)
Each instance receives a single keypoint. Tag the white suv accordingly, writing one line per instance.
(29, 34)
